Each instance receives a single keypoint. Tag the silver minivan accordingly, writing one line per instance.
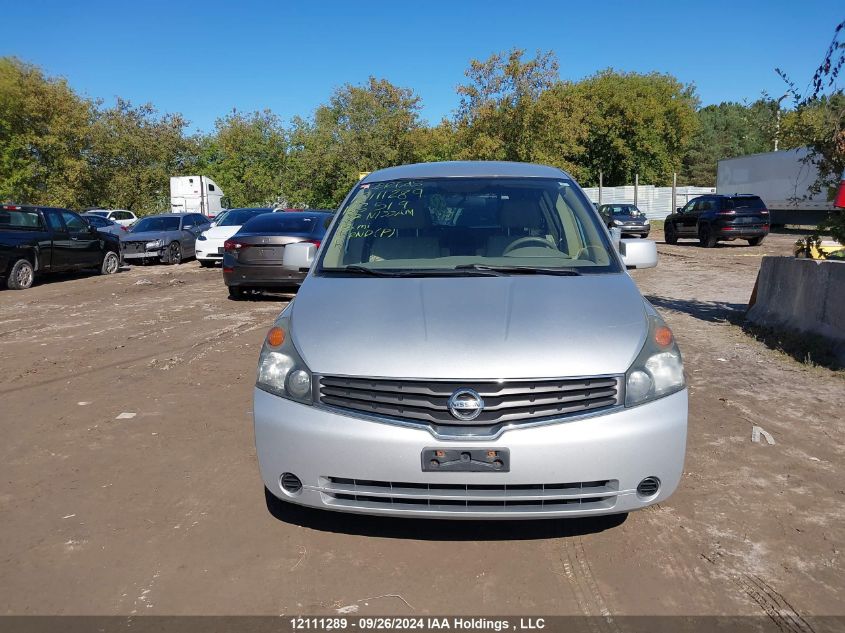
(468, 344)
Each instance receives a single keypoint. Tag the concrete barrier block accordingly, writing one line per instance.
(802, 294)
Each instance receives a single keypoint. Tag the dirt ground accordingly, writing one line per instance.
(162, 511)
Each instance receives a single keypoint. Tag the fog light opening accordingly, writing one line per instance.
(291, 484)
(648, 487)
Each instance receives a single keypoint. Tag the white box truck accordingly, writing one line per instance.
(195, 194)
(782, 179)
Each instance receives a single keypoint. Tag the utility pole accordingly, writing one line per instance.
(601, 177)
(636, 187)
(674, 191)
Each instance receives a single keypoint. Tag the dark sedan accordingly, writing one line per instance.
(626, 217)
(253, 257)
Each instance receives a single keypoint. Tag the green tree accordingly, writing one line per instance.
(822, 109)
(246, 156)
(44, 137)
(496, 104)
(636, 123)
(362, 128)
(726, 130)
(134, 150)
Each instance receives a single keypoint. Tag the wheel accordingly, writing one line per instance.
(174, 253)
(756, 241)
(236, 293)
(669, 235)
(705, 237)
(21, 276)
(111, 264)
(206, 263)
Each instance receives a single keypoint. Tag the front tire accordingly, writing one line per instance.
(756, 241)
(174, 254)
(21, 275)
(111, 263)
(706, 238)
(669, 235)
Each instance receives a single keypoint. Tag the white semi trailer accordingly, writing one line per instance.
(195, 194)
(783, 180)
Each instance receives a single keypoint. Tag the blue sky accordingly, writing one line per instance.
(203, 59)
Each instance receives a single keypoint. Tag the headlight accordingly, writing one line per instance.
(658, 370)
(646, 221)
(617, 223)
(281, 371)
(154, 245)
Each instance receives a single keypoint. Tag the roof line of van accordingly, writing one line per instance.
(466, 169)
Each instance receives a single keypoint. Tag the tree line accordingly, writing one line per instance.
(60, 148)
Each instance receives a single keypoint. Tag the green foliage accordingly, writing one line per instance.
(245, 156)
(362, 128)
(59, 148)
(133, 152)
(635, 123)
(44, 134)
(497, 102)
(727, 130)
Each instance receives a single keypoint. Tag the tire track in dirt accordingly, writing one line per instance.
(772, 602)
(574, 565)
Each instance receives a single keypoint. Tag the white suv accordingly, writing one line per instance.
(119, 216)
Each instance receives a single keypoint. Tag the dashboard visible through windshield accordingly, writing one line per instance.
(459, 224)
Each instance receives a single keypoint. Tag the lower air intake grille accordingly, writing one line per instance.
(540, 498)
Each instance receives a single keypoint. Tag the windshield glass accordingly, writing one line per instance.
(454, 223)
(239, 217)
(156, 224)
(625, 209)
(100, 213)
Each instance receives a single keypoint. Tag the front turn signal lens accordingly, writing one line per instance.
(276, 336)
(663, 336)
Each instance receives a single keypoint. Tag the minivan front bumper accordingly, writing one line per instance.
(577, 467)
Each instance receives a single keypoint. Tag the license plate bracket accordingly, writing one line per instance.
(466, 460)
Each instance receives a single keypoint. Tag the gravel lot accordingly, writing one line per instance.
(162, 511)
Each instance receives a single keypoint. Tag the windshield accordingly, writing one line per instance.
(156, 224)
(451, 224)
(104, 214)
(240, 216)
(625, 209)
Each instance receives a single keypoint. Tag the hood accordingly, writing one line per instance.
(221, 232)
(469, 327)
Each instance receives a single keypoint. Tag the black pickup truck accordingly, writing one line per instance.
(35, 240)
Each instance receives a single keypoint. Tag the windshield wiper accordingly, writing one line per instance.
(362, 270)
(520, 270)
(420, 272)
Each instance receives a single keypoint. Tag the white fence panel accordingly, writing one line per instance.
(655, 202)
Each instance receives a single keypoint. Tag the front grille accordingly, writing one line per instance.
(572, 497)
(134, 247)
(508, 401)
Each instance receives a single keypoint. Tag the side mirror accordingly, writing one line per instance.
(212, 225)
(299, 255)
(638, 253)
(678, 210)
